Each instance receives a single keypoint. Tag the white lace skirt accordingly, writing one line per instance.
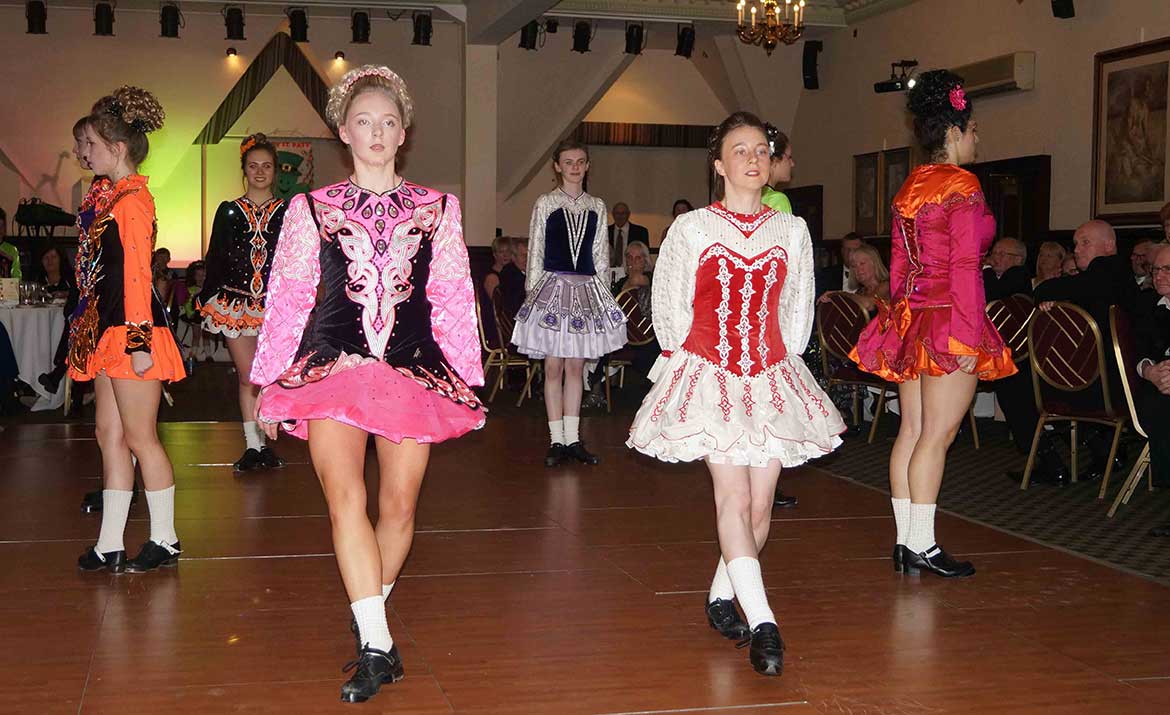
(569, 316)
(698, 411)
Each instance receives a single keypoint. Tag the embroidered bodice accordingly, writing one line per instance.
(360, 276)
(735, 290)
(243, 242)
(567, 235)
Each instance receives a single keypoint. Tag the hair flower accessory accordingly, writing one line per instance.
(247, 146)
(958, 98)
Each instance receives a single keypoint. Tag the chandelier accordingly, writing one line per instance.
(771, 23)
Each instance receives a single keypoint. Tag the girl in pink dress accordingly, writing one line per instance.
(370, 329)
(934, 338)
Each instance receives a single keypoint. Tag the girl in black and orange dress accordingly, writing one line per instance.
(119, 337)
(239, 258)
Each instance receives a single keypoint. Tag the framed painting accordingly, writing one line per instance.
(866, 220)
(896, 164)
(1131, 133)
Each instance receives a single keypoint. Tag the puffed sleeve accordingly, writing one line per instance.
(672, 292)
(134, 214)
(899, 262)
(601, 245)
(799, 292)
(452, 297)
(292, 292)
(967, 299)
(216, 259)
(535, 271)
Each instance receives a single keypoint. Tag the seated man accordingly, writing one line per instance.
(1139, 259)
(1006, 274)
(1152, 323)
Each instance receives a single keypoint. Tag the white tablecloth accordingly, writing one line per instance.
(34, 332)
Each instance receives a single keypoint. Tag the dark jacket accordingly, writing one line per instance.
(1014, 280)
(634, 232)
(1107, 281)
(1152, 328)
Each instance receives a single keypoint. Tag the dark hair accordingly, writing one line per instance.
(853, 236)
(3, 216)
(255, 142)
(777, 140)
(684, 202)
(127, 116)
(715, 142)
(66, 264)
(930, 101)
(564, 146)
(79, 126)
(191, 268)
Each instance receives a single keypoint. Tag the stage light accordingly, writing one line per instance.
(231, 52)
(169, 20)
(422, 29)
(233, 22)
(551, 25)
(634, 35)
(360, 26)
(686, 41)
(339, 55)
(298, 24)
(529, 34)
(36, 14)
(582, 36)
(901, 77)
(103, 19)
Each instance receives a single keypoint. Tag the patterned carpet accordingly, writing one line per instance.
(1067, 517)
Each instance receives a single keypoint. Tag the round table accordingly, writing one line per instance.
(35, 331)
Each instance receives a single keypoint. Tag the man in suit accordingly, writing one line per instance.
(1152, 332)
(1140, 260)
(512, 278)
(622, 233)
(1006, 274)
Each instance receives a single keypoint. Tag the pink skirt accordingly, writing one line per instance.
(378, 399)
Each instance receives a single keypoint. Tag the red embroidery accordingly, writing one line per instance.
(694, 380)
(661, 404)
(724, 402)
(792, 385)
(748, 401)
(777, 400)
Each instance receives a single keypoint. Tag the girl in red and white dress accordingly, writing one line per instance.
(733, 310)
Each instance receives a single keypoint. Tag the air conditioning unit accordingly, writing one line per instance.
(1005, 73)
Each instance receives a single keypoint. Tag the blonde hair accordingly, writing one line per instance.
(368, 78)
(879, 266)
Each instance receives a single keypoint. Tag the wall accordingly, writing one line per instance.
(845, 117)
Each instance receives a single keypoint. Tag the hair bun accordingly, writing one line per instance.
(930, 96)
(136, 107)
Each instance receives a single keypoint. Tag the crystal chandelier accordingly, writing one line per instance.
(770, 22)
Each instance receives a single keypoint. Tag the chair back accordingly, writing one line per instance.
(639, 328)
(504, 322)
(485, 343)
(1124, 349)
(1011, 316)
(840, 320)
(1067, 352)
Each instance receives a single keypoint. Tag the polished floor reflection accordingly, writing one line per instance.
(578, 590)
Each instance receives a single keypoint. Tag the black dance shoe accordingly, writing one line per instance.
(767, 649)
(250, 460)
(268, 458)
(357, 636)
(91, 503)
(51, 380)
(556, 455)
(936, 561)
(112, 561)
(784, 500)
(153, 555)
(578, 452)
(899, 558)
(724, 617)
(374, 668)
(1160, 531)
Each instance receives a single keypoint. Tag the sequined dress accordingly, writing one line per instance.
(239, 259)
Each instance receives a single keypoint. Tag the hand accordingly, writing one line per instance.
(967, 363)
(140, 362)
(825, 298)
(1159, 374)
(1046, 306)
(271, 429)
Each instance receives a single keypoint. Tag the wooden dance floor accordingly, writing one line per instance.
(577, 590)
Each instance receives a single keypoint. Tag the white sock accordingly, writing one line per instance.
(921, 528)
(373, 630)
(253, 436)
(572, 429)
(748, 582)
(115, 512)
(901, 518)
(556, 431)
(721, 584)
(386, 589)
(162, 516)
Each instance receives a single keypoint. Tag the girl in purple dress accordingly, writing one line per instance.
(370, 330)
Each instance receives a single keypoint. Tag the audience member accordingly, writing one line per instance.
(1049, 260)
(512, 277)
(844, 280)
(637, 274)
(622, 233)
(56, 274)
(1006, 275)
(1164, 216)
(681, 206)
(1153, 346)
(1139, 260)
(871, 276)
(195, 278)
(160, 273)
(1068, 266)
(9, 254)
(501, 256)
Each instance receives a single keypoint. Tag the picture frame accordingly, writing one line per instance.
(866, 196)
(1131, 133)
(896, 165)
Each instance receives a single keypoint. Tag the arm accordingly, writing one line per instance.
(967, 300)
(672, 293)
(796, 297)
(217, 253)
(452, 297)
(292, 292)
(490, 282)
(535, 272)
(601, 246)
(134, 215)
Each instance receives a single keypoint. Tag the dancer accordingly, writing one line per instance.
(733, 310)
(569, 315)
(119, 336)
(370, 330)
(779, 173)
(934, 339)
(239, 257)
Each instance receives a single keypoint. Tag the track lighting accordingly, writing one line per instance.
(36, 14)
(103, 19)
(360, 26)
(529, 34)
(169, 19)
(634, 36)
(298, 24)
(686, 41)
(422, 29)
(233, 22)
(582, 36)
(901, 77)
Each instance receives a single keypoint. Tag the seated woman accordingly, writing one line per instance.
(681, 206)
(56, 274)
(190, 314)
(1049, 262)
(869, 272)
(512, 277)
(501, 256)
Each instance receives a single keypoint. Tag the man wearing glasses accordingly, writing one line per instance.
(1005, 274)
(1153, 343)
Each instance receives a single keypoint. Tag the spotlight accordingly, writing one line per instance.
(103, 19)
(360, 25)
(339, 55)
(233, 22)
(634, 35)
(529, 35)
(582, 36)
(551, 25)
(231, 52)
(169, 20)
(901, 77)
(298, 24)
(422, 29)
(36, 14)
(894, 84)
(686, 41)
